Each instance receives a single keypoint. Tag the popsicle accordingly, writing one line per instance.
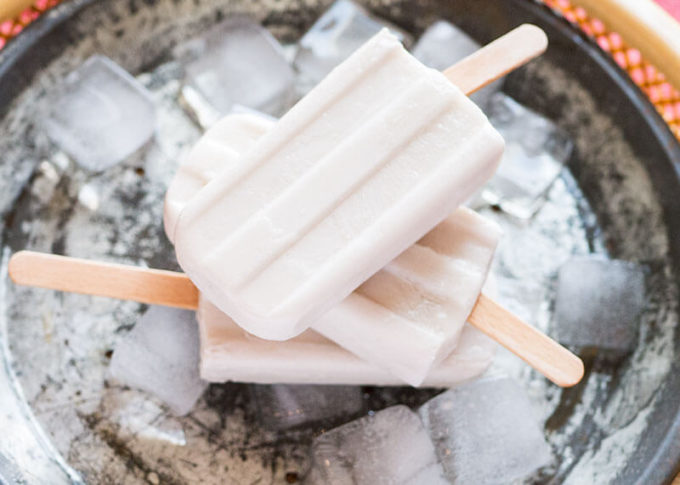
(406, 318)
(228, 353)
(370, 160)
(218, 149)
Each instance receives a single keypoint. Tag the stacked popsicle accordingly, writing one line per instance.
(321, 220)
(328, 247)
(406, 319)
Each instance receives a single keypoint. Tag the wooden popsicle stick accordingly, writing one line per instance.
(498, 58)
(168, 288)
(125, 282)
(528, 343)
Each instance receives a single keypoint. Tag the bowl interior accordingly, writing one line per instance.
(616, 198)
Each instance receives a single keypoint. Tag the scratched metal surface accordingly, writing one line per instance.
(70, 422)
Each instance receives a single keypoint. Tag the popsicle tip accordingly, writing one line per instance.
(16, 265)
(573, 375)
(535, 36)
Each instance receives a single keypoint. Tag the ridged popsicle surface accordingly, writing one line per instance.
(228, 353)
(408, 316)
(368, 162)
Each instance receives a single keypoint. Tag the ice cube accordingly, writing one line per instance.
(238, 62)
(598, 303)
(343, 28)
(88, 196)
(535, 152)
(100, 115)
(389, 447)
(283, 406)
(10, 474)
(47, 177)
(160, 356)
(486, 432)
(442, 45)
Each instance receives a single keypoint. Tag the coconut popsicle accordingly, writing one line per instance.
(413, 309)
(218, 149)
(228, 353)
(371, 159)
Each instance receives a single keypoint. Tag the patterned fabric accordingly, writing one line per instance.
(652, 82)
(11, 28)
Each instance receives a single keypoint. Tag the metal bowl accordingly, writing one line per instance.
(63, 422)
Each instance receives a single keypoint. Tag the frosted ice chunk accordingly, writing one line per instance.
(88, 196)
(10, 474)
(238, 62)
(486, 432)
(389, 447)
(100, 115)
(343, 28)
(535, 152)
(598, 303)
(47, 177)
(283, 406)
(442, 45)
(160, 356)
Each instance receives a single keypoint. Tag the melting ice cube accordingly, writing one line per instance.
(486, 432)
(341, 30)
(100, 115)
(442, 45)
(598, 303)
(160, 356)
(238, 62)
(535, 152)
(389, 447)
(283, 406)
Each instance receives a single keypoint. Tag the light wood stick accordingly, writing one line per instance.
(528, 343)
(158, 287)
(498, 58)
(144, 285)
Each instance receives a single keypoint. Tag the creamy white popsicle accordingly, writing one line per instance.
(228, 353)
(370, 160)
(407, 317)
(218, 149)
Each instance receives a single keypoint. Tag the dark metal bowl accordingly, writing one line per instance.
(625, 163)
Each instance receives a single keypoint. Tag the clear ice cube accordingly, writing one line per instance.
(486, 432)
(390, 447)
(598, 303)
(535, 152)
(283, 406)
(100, 115)
(442, 45)
(343, 28)
(238, 62)
(160, 356)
